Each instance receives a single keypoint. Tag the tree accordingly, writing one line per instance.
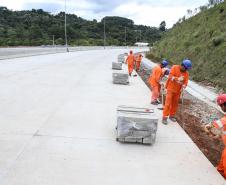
(37, 27)
(189, 12)
(211, 2)
(214, 2)
(162, 26)
(35, 32)
(203, 8)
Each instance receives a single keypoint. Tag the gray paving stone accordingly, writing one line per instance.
(117, 65)
(136, 124)
(120, 78)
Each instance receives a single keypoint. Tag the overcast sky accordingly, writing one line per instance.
(146, 12)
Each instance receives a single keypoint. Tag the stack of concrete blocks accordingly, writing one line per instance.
(121, 58)
(120, 78)
(136, 125)
(117, 65)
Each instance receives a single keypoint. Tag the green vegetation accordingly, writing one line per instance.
(37, 27)
(201, 38)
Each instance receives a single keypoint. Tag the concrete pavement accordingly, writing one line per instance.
(57, 120)
(17, 52)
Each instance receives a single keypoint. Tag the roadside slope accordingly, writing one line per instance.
(201, 38)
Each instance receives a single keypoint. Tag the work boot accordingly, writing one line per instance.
(173, 119)
(164, 121)
(158, 101)
(154, 103)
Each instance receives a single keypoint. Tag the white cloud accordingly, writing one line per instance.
(147, 12)
(152, 15)
(12, 4)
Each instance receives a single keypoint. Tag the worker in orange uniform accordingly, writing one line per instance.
(220, 124)
(177, 82)
(138, 61)
(130, 61)
(154, 81)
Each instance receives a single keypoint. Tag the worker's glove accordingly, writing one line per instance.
(181, 79)
(212, 131)
(184, 87)
(173, 78)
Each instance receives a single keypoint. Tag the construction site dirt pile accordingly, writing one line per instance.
(192, 115)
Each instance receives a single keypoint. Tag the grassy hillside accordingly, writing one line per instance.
(202, 38)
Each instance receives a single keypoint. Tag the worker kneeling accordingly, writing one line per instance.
(177, 82)
(221, 125)
(154, 81)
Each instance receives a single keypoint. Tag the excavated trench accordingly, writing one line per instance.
(192, 115)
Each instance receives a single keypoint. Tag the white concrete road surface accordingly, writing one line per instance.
(57, 120)
(16, 52)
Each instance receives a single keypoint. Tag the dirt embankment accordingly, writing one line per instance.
(192, 115)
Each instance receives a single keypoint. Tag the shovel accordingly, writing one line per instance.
(182, 105)
(162, 97)
(135, 69)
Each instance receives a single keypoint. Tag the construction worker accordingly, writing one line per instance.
(130, 61)
(220, 125)
(154, 81)
(138, 61)
(177, 82)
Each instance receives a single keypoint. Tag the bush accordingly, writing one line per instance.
(196, 34)
(59, 41)
(217, 40)
(221, 10)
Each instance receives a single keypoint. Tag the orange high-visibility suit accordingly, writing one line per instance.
(174, 86)
(130, 61)
(138, 61)
(154, 80)
(221, 124)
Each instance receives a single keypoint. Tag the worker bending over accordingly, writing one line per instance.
(221, 125)
(177, 82)
(130, 62)
(138, 61)
(154, 81)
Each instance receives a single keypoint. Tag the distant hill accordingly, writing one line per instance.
(202, 38)
(37, 27)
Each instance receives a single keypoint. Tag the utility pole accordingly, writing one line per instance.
(65, 26)
(104, 34)
(125, 36)
(140, 35)
(53, 40)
